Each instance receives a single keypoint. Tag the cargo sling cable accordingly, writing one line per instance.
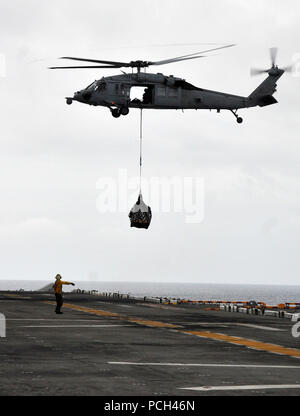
(141, 149)
(140, 215)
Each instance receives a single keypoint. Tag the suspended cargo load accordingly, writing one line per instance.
(140, 215)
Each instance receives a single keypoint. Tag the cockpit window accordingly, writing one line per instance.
(92, 86)
(102, 86)
(96, 86)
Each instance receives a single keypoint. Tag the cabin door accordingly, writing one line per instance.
(168, 97)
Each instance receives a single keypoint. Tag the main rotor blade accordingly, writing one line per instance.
(273, 53)
(169, 61)
(179, 58)
(136, 64)
(119, 64)
(83, 67)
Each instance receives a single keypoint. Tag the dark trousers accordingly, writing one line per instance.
(59, 302)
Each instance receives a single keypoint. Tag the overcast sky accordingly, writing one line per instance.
(53, 155)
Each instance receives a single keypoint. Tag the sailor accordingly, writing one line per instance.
(58, 292)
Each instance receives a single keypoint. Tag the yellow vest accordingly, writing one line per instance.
(58, 286)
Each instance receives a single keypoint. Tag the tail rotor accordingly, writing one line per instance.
(274, 70)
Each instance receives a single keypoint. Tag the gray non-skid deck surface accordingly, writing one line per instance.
(81, 354)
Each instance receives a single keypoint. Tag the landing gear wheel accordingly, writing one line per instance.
(69, 101)
(115, 113)
(124, 111)
(238, 119)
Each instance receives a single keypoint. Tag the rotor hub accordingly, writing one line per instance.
(139, 64)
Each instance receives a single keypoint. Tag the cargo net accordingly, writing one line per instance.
(140, 215)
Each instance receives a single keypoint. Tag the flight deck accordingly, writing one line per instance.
(120, 347)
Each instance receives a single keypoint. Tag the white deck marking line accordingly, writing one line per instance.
(213, 324)
(205, 323)
(106, 303)
(227, 324)
(16, 296)
(157, 305)
(72, 326)
(230, 388)
(207, 365)
(265, 328)
(56, 320)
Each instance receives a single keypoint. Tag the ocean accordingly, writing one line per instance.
(272, 295)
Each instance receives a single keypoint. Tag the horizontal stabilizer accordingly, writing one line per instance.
(266, 100)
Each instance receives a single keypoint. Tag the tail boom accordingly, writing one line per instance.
(263, 95)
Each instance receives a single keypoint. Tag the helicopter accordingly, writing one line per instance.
(169, 92)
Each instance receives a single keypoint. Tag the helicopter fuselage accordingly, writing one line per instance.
(161, 92)
(167, 92)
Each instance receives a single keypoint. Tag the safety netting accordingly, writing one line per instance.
(140, 215)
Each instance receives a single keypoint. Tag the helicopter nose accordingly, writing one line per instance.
(83, 96)
(77, 96)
